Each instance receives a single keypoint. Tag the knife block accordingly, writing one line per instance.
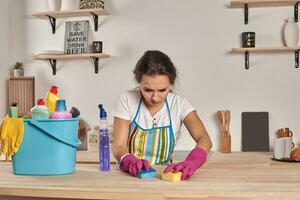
(225, 142)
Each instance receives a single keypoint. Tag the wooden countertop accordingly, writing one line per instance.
(92, 157)
(238, 175)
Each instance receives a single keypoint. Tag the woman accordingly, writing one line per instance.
(147, 121)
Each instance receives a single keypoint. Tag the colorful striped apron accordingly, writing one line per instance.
(155, 144)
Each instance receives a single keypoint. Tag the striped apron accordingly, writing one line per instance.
(155, 144)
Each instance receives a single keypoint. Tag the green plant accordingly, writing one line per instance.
(18, 65)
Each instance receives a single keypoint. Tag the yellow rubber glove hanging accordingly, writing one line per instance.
(11, 136)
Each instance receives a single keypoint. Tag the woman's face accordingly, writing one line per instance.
(155, 89)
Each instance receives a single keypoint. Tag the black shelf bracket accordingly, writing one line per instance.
(96, 64)
(52, 21)
(53, 65)
(95, 17)
(246, 14)
(296, 11)
(246, 60)
(297, 59)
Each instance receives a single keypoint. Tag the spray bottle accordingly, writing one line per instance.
(104, 153)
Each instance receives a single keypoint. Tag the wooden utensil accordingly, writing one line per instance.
(224, 119)
(219, 114)
(225, 142)
(227, 114)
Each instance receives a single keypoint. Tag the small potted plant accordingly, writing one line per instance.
(18, 69)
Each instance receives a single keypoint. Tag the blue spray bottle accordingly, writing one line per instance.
(104, 153)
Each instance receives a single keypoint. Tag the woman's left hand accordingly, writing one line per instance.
(193, 161)
(132, 165)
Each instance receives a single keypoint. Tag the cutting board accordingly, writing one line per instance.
(255, 131)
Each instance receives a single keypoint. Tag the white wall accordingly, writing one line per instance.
(197, 35)
(12, 44)
(4, 60)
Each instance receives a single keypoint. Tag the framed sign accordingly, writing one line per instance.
(76, 37)
(89, 4)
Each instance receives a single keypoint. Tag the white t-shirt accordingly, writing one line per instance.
(127, 106)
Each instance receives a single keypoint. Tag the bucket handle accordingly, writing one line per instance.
(58, 137)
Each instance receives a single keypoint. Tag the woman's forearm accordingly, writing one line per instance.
(121, 128)
(204, 143)
(119, 151)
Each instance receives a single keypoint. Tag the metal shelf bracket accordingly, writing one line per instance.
(96, 64)
(246, 14)
(53, 65)
(296, 11)
(297, 59)
(95, 17)
(52, 21)
(246, 60)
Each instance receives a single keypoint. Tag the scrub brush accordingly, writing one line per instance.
(75, 112)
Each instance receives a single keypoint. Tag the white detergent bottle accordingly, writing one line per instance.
(93, 139)
(40, 111)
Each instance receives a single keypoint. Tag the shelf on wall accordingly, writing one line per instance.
(52, 16)
(265, 49)
(246, 51)
(264, 3)
(52, 58)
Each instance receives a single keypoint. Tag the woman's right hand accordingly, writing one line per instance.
(132, 165)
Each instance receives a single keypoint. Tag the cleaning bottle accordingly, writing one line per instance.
(13, 110)
(104, 153)
(93, 139)
(40, 111)
(51, 98)
(60, 111)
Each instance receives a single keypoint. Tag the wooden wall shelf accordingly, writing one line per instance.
(52, 58)
(52, 16)
(267, 50)
(264, 3)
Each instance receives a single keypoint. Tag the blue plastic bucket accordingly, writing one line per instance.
(48, 147)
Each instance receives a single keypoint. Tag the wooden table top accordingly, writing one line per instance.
(238, 175)
(92, 157)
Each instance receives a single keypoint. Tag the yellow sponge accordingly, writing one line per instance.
(171, 176)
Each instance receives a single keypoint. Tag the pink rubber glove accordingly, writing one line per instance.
(129, 163)
(193, 161)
